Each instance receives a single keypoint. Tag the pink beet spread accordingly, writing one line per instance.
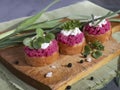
(97, 30)
(42, 52)
(71, 39)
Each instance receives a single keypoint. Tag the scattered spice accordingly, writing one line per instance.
(81, 61)
(85, 56)
(16, 62)
(68, 87)
(69, 65)
(92, 78)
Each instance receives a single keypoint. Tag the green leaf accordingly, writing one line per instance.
(39, 32)
(92, 18)
(41, 39)
(27, 22)
(97, 45)
(114, 20)
(97, 54)
(71, 24)
(50, 36)
(27, 42)
(47, 40)
(36, 44)
(87, 50)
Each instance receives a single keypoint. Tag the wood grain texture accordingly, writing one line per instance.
(13, 59)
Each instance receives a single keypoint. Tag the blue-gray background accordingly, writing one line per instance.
(12, 9)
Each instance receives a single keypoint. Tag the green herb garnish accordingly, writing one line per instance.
(95, 49)
(108, 16)
(87, 50)
(97, 45)
(36, 41)
(72, 24)
(97, 54)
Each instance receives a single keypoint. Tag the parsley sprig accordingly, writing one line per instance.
(71, 24)
(95, 49)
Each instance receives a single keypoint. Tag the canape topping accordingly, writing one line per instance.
(53, 47)
(97, 27)
(40, 40)
(41, 44)
(101, 28)
(70, 40)
(73, 32)
(45, 45)
(103, 22)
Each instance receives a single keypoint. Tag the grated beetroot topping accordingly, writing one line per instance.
(42, 52)
(71, 39)
(97, 30)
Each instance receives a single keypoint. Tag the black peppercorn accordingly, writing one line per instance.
(69, 65)
(68, 87)
(16, 62)
(85, 56)
(91, 78)
(81, 61)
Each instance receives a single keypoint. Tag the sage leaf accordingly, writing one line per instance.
(97, 54)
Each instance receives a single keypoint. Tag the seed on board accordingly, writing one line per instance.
(69, 65)
(68, 87)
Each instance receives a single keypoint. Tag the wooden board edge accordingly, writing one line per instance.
(21, 76)
(90, 70)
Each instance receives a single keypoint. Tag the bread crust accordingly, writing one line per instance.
(71, 50)
(102, 37)
(41, 61)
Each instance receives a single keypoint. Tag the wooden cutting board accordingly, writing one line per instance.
(13, 59)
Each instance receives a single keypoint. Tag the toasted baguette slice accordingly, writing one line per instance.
(102, 37)
(71, 50)
(41, 61)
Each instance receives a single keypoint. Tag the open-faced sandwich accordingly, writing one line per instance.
(41, 49)
(71, 40)
(99, 30)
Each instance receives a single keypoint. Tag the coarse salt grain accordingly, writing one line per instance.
(89, 59)
(53, 66)
(49, 74)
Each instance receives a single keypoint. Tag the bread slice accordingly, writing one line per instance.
(41, 61)
(71, 50)
(102, 37)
